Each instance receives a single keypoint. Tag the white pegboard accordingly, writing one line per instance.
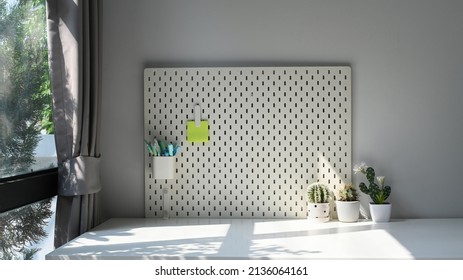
(272, 131)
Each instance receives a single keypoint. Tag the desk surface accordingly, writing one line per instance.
(266, 239)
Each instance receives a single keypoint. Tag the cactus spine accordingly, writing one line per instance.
(348, 193)
(318, 193)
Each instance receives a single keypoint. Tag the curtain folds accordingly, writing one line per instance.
(75, 73)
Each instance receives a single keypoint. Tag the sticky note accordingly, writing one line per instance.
(197, 134)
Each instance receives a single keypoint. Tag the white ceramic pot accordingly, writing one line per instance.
(380, 213)
(348, 211)
(318, 212)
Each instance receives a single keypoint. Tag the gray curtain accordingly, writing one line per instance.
(74, 58)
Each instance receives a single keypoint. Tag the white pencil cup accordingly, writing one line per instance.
(163, 167)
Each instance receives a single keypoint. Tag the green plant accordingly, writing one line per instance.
(22, 228)
(25, 100)
(318, 193)
(348, 193)
(377, 192)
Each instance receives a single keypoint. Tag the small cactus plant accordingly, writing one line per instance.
(348, 193)
(318, 193)
(378, 193)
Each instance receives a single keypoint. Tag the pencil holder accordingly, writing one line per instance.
(163, 167)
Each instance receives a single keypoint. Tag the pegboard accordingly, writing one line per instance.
(272, 131)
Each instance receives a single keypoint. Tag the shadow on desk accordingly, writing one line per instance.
(266, 239)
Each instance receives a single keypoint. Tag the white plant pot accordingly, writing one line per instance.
(380, 213)
(348, 211)
(318, 212)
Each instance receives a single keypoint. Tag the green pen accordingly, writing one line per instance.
(162, 147)
(149, 148)
(170, 149)
(156, 148)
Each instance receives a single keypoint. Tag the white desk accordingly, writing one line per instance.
(266, 239)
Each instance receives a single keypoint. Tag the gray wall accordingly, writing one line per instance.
(407, 68)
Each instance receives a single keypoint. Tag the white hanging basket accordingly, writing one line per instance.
(163, 167)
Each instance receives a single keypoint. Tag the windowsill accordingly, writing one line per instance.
(266, 239)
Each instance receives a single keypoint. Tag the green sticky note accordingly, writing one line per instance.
(197, 134)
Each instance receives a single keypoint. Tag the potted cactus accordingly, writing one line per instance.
(380, 209)
(347, 204)
(318, 206)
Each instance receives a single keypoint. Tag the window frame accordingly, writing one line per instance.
(24, 189)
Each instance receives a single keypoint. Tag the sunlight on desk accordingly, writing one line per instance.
(266, 239)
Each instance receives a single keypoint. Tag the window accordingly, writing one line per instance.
(27, 232)
(27, 151)
(25, 101)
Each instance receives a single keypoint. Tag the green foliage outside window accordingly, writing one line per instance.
(25, 100)
(21, 228)
(25, 112)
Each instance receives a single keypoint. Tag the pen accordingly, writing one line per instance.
(150, 148)
(176, 150)
(162, 148)
(159, 148)
(156, 147)
(170, 147)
